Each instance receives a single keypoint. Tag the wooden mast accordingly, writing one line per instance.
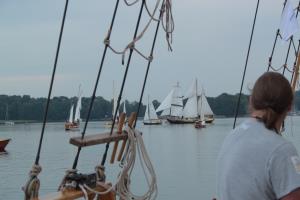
(296, 74)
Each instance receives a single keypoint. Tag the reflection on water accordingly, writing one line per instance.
(184, 157)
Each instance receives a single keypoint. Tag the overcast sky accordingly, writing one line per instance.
(209, 43)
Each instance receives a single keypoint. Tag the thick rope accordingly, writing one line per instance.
(31, 188)
(246, 64)
(122, 186)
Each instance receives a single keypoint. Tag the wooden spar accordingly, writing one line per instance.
(119, 131)
(97, 139)
(76, 194)
(296, 73)
(131, 120)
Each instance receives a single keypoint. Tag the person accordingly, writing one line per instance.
(255, 161)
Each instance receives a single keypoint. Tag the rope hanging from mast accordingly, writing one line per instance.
(107, 38)
(246, 64)
(32, 186)
(123, 82)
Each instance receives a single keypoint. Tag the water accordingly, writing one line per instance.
(184, 157)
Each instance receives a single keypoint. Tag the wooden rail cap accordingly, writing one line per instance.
(97, 139)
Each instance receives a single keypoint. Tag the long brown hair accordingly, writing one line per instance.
(272, 93)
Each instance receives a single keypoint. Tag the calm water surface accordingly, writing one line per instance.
(184, 157)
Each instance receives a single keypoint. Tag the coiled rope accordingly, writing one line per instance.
(136, 147)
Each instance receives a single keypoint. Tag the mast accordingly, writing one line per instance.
(296, 73)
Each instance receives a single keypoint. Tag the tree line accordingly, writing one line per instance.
(28, 108)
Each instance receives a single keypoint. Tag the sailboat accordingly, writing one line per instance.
(73, 123)
(196, 107)
(150, 117)
(114, 105)
(7, 121)
(172, 105)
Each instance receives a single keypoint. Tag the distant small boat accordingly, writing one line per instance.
(73, 123)
(7, 121)
(108, 124)
(3, 143)
(150, 117)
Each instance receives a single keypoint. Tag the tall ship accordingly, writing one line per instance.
(172, 106)
(196, 107)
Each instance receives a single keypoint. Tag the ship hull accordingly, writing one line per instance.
(71, 126)
(187, 121)
(152, 122)
(3, 144)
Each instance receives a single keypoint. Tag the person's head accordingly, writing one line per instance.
(272, 95)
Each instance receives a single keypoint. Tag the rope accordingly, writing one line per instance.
(31, 188)
(123, 82)
(168, 24)
(246, 64)
(148, 67)
(107, 38)
(51, 84)
(122, 188)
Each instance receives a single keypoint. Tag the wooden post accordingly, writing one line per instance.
(296, 73)
(131, 120)
(119, 131)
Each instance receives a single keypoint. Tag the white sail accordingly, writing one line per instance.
(166, 104)
(147, 114)
(71, 114)
(205, 106)
(124, 107)
(190, 109)
(172, 105)
(152, 112)
(77, 111)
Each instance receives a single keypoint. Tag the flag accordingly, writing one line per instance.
(288, 24)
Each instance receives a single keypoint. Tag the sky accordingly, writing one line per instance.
(210, 43)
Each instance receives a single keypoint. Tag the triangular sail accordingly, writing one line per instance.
(203, 106)
(147, 115)
(190, 109)
(166, 104)
(152, 112)
(71, 114)
(77, 111)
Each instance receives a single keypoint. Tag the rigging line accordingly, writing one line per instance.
(51, 85)
(287, 55)
(295, 62)
(97, 81)
(246, 64)
(148, 67)
(274, 45)
(139, 36)
(123, 82)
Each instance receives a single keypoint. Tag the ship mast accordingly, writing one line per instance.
(296, 73)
